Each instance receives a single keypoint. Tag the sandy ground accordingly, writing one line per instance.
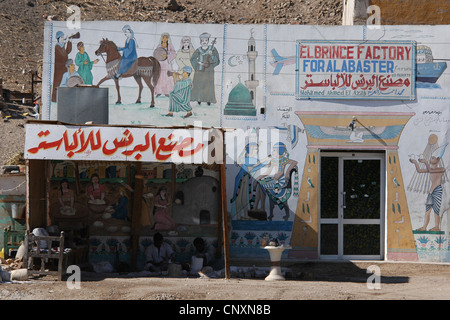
(305, 281)
(24, 20)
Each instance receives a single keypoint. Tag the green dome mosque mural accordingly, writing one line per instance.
(240, 102)
(242, 98)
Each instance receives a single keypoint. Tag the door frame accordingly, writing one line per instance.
(354, 155)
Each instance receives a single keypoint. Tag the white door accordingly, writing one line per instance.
(352, 206)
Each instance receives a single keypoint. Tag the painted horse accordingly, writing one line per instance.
(146, 68)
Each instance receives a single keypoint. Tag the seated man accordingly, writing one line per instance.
(71, 73)
(207, 253)
(158, 255)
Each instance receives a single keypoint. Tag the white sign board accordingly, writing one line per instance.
(345, 69)
(62, 142)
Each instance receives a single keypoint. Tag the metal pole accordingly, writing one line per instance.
(223, 198)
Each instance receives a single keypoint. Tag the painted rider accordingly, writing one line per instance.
(129, 55)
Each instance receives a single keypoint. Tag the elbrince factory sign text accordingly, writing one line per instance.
(355, 70)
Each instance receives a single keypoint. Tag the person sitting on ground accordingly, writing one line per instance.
(159, 254)
(204, 251)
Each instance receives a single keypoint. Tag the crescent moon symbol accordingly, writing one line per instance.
(230, 63)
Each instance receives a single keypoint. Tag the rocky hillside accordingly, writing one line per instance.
(22, 21)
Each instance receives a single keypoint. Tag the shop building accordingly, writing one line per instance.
(337, 141)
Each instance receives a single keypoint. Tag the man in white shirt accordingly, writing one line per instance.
(204, 251)
(158, 255)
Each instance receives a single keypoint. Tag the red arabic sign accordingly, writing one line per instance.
(356, 70)
(61, 142)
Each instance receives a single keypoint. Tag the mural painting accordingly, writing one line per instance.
(437, 175)
(117, 67)
(96, 208)
(430, 182)
(62, 49)
(385, 91)
(242, 98)
(180, 96)
(98, 200)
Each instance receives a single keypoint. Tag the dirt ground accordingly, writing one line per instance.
(12, 131)
(304, 281)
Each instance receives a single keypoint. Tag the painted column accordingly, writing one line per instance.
(306, 222)
(400, 239)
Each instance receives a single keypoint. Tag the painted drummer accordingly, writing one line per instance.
(165, 53)
(70, 74)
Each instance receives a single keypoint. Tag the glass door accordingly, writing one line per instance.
(352, 206)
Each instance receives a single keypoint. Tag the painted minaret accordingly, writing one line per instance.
(252, 83)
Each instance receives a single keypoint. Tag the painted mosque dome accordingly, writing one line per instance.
(240, 102)
(240, 95)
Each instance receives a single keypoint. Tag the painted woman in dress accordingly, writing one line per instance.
(96, 190)
(65, 195)
(165, 83)
(162, 219)
(184, 55)
(84, 64)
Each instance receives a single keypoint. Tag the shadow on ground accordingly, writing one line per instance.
(340, 272)
(303, 271)
(14, 111)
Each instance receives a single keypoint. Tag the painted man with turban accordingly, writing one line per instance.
(180, 97)
(62, 50)
(204, 60)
